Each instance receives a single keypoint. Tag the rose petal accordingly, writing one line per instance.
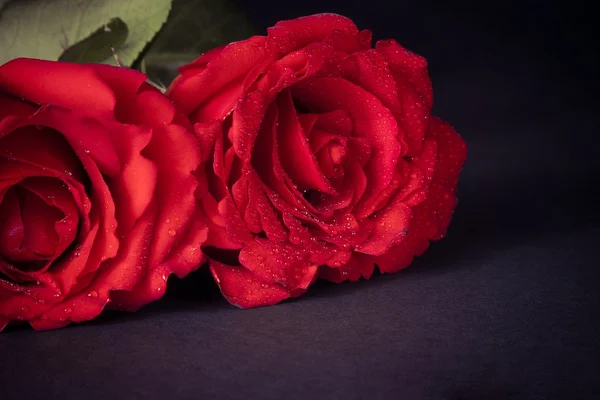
(45, 325)
(185, 258)
(369, 70)
(207, 133)
(134, 188)
(337, 121)
(15, 171)
(413, 84)
(273, 263)
(251, 215)
(202, 61)
(103, 224)
(51, 152)
(431, 218)
(282, 192)
(243, 289)
(60, 84)
(359, 266)
(86, 136)
(176, 154)
(122, 273)
(350, 42)
(371, 119)
(11, 225)
(151, 108)
(409, 65)
(14, 106)
(125, 84)
(290, 35)
(39, 220)
(69, 268)
(219, 106)
(234, 61)
(269, 219)
(300, 235)
(390, 227)
(55, 194)
(298, 160)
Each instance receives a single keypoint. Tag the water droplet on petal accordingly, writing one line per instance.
(172, 232)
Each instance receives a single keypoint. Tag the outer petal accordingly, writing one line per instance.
(409, 66)
(125, 84)
(391, 225)
(52, 151)
(87, 137)
(173, 231)
(12, 106)
(243, 289)
(414, 89)
(134, 188)
(286, 265)
(60, 84)
(431, 218)
(233, 62)
(287, 36)
(359, 266)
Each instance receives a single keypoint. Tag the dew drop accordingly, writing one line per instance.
(172, 232)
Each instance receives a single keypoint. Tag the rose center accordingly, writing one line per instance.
(33, 228)
(337, 153)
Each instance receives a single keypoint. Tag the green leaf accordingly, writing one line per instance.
(47, 28)
(98, 47)
(193, 27)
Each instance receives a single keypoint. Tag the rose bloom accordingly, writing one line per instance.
(97, 202)
(322, 158)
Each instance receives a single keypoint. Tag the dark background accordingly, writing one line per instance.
(505, 307)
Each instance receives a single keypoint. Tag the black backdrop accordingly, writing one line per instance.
(505, 307)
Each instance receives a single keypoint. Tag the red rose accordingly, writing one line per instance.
(322, 157)
(96, 192)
